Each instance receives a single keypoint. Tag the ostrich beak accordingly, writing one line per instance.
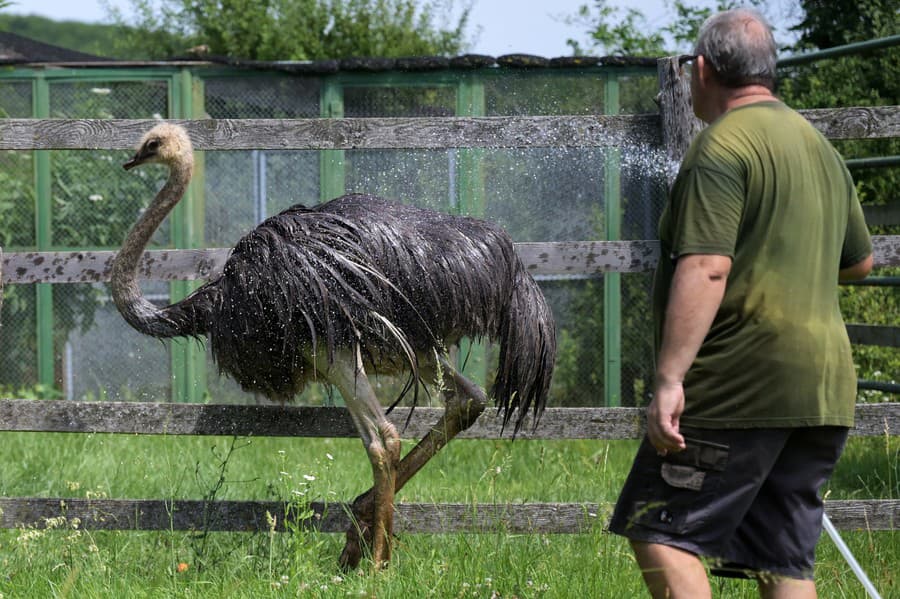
(137, 160)
(145, 153)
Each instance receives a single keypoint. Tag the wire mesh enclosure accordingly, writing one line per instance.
(69, 338)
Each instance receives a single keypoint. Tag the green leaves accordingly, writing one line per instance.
(626, 32)
(299, 29)
(614, 33)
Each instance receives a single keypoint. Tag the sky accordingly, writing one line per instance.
(499, 26)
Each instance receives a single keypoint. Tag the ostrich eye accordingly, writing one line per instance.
(153, 145)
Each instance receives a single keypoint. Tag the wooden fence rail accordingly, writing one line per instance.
(250, 516)
(872, 420)
(540, 258)
(868, 122)
(563, 258)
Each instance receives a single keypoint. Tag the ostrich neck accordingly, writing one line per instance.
(127, 295)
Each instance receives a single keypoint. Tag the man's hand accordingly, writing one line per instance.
(698, 286)
(663, 414)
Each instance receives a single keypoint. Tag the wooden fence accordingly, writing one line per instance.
(565, 257)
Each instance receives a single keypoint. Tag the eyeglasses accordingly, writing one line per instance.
(687, 58)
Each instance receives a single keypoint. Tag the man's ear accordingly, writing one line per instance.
(702, 68)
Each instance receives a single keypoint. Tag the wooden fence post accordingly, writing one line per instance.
(679, 125)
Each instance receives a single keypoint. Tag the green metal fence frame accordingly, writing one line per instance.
(186, 365)
(838, 51)
(186, 100)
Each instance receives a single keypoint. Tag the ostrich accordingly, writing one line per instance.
(354, 286)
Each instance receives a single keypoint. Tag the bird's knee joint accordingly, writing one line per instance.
(384, 449)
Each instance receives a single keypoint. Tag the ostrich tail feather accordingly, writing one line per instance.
(527, 353)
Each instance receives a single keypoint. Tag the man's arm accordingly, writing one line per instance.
(698, 286)
(858, 271)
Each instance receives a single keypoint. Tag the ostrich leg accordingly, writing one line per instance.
(382, 445)
(465, 401)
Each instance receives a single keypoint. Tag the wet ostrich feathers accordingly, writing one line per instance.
(401, 282)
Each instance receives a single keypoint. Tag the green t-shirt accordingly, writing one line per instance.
(762, 186)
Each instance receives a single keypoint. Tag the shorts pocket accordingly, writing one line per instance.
(683, 477)
(685, 484)
(687, 469)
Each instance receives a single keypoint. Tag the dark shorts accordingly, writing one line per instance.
(747, 499)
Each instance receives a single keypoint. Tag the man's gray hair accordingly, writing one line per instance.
(739, 46)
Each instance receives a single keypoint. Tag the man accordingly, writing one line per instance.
(755, 385)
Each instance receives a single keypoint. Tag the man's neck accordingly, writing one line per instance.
(749, 94)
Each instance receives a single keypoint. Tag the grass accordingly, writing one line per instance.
(67, 561)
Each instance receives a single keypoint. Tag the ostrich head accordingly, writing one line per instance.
(166, 144)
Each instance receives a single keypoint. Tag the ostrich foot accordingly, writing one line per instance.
(359, 535)
(465, 402)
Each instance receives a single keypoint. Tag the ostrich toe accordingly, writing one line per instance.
(359, 534)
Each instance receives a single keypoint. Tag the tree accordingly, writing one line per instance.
(90, 38)
(864, 79)
(297, 29)
(614, 31)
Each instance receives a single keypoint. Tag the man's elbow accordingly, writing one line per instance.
(716, 268)
(858, 271)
